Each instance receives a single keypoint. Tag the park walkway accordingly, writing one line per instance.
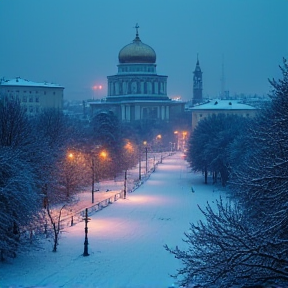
(126, 239)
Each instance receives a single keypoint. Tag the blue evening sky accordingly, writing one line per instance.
(76, 43)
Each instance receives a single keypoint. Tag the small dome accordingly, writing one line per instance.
(137, 52)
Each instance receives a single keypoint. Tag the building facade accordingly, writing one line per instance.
(34, 97)
(137, 92)
(234, 107)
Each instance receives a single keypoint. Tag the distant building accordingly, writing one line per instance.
(218, 106)
(197, 84)
(33, 96)
(137, 92)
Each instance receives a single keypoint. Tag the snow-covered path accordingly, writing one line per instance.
(125, 239)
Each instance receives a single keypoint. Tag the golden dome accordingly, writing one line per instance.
(137, 52)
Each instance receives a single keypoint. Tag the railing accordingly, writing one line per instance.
(78, 216)
(74, 217)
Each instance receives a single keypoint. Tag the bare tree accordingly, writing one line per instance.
(55, 220)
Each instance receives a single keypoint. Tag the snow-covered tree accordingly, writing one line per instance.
(226, 250)
(210, 141)
(107, 135)
(245, 242)
(19, 197)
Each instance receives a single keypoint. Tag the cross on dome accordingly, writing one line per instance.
(136, 27)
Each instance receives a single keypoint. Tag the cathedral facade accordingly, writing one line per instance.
(137, 92)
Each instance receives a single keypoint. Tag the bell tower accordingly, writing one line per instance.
(197, 84)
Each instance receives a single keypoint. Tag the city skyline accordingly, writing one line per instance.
(77, 46)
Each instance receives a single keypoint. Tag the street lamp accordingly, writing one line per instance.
(158, 142)
(125, 184)
(103, 154)
(86, 219)
(146, 155)
(93, 177)
(140, 164)
(184, 135)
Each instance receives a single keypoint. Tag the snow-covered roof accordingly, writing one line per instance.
(23, 82)
(220, 104)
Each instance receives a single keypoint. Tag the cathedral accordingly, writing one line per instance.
(137, 92)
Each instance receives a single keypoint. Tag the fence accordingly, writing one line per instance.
(73, 217)
(78, 216)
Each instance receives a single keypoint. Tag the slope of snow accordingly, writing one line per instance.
(125, 239)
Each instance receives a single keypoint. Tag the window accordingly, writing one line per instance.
(24, 98)
(31, 109)
(37, 99)
(44, 92)
(31, 99)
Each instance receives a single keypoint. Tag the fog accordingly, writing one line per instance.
(76, 43)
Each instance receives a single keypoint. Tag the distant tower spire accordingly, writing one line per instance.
(197, 84)
(222, 79)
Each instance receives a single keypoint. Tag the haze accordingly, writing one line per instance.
(76, 43)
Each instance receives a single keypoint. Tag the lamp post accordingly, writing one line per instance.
(140, 164)
(158, 142)
(69, 173)
(176, 133)
(103, 154)
(125, 184)
(86, 219)
(93, 177)
(184, 135)
(146, 157)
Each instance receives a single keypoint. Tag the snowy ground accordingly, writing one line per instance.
(125, 239)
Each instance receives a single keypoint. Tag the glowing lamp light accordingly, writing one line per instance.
(103, 154)
(129, 146)
(97, 87)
